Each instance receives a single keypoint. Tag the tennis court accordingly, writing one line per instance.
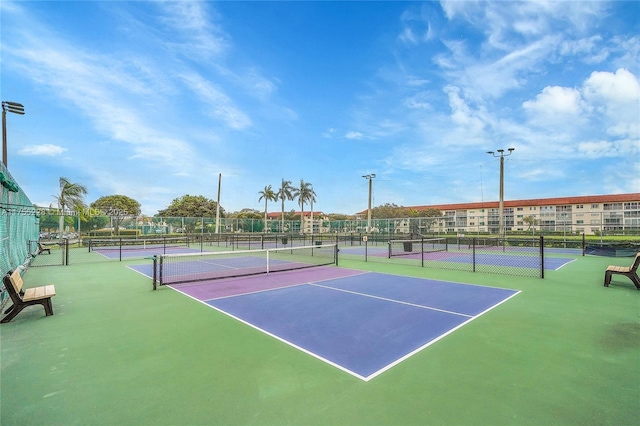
(360, 322)
(513, 257)
(169, 357)
(131, 248)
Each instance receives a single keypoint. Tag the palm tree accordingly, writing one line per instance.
(267, 195)
(304, 193)
(71, 196)
(285, 193)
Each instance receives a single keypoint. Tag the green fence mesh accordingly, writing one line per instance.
(19, 224)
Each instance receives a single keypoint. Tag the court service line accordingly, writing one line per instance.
(393, 300)
(273, 288)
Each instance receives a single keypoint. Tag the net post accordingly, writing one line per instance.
(422, 250)
(155, 265)
(335, 256)
(268, 263)
(120, 240)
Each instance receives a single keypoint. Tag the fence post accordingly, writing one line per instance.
(474, 253)
(541, 256)
(65, 256)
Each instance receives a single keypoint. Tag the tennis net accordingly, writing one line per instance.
(191, 267)
(97, 244)
(416, 246)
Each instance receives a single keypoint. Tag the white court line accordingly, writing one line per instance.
(394, 301)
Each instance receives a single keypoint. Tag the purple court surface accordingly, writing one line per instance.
(360, 322)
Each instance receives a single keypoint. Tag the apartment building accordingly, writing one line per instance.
(312, 222)
(590, 214)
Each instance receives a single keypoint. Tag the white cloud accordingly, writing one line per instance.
(619, 87)
(462, 114)
(220, 105)
(195, 36)
(45, 149)
(616, 97)
(555, 103)
(354, 135)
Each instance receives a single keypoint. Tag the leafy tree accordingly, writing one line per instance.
(430, 212)
(267, 195)
(192, 206)
(71, 196)
(246, 214)
(304, 193)
(285, 193)
(530, 220)
(338, 216)
(389, 211)
(117, 207)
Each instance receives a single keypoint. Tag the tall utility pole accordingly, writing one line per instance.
(218, 204)
(501, 154)
(370, 178)
(15, 108)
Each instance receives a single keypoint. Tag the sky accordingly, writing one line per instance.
(155, 100)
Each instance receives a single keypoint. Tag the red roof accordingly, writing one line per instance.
(558, 201)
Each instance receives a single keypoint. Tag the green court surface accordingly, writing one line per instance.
(566, 350)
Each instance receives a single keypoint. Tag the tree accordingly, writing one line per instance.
(71, 196)
(531, 221)
(192, 206)
(304, 193)
(389, 211)
(285, 193)
(430, 212)
(267, 195)
(117, 207)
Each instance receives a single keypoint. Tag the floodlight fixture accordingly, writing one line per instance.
(15, 108)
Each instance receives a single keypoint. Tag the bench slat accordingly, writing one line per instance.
(36, 293)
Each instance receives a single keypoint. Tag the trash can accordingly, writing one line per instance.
(408, 246)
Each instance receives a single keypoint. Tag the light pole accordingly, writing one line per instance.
(501, 154)
(370, 179)
(15, 108)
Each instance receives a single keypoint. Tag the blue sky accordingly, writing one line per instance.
(154, 99)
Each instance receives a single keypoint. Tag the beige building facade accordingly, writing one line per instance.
(591, 214)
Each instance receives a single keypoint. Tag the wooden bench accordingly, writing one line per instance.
(31, 296)
(628, 271)
(42, 249)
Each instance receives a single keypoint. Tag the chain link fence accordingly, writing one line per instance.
(19, 223)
